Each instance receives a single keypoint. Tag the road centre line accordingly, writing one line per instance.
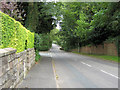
(86, 64)
(109, 74)
(102, 71)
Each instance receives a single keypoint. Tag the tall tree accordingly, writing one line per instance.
(13, 9)
(89, 23)
(32, 16)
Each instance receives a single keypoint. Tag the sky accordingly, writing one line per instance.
(58, 26)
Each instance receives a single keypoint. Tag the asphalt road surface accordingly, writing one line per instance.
(78, 71)
(60, 69)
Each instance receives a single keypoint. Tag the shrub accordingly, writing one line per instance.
(43, 42)
(14, 35)
(37, 55)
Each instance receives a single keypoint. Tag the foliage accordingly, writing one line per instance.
(105, 24)
(53, 34)
(37, 56)
(43, 42)
(46, 11)
(39, 16)
(32, 16)
(13, 9)
(81, 28)
(30, 39)
(88, 23)
(14, 34)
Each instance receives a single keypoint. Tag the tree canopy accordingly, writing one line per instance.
(89, 23)
(83, 23)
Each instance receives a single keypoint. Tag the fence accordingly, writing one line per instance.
(105, 49)
(14, 67)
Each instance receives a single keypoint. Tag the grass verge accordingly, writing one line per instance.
(105, 57)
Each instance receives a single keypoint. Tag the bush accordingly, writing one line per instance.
(14, 35)
(43, 42)
(37, 55)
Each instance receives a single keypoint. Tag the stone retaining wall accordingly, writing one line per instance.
(14, 67)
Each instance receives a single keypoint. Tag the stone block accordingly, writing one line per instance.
(10, 50)
(4, 60)
(4, 69)
(9, 74)
(17, 75)
(7, 51)
(13, 78)
(12, 57)
(18, 69)
(17, 80)
(18, 55)
(21, 69)
(15, 62)
(20, 59)
(8, 84)
(3, 52)
(14, 70)
(3, 79)
(10, 64)
(3, 86)
(21, 75)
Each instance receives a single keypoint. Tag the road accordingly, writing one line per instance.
(60, 69)
(78, 71)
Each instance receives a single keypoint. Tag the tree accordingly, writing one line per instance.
(105, 24)
(88, 23)
(13, 9)
(31, 22)
(46, 12)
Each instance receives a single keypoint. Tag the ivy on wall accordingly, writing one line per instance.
(14, 35)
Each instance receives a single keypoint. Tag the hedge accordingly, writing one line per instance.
(14, 34)
(43, 42)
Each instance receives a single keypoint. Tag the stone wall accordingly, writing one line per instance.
(14, 67)
(105, 49)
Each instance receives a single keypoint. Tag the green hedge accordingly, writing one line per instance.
(43, 42)
(14, 35)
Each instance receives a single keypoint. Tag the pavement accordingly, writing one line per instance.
(60, 69)
(40, 76)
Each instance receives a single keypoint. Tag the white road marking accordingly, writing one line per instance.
(86, 64)
(109, 74)
(102, 71)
